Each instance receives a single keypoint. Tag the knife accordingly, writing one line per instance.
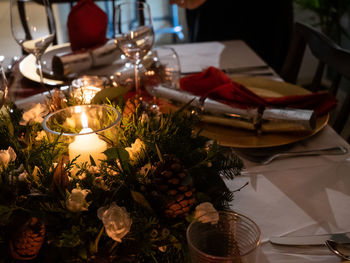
(311, 240)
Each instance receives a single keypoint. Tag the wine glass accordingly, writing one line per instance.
(33, 27)
(3, 83)
(161, 66)
(134, 33)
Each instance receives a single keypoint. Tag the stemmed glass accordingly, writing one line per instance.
(33, 27)
(3, 83)
(134, 33)
(161, 66)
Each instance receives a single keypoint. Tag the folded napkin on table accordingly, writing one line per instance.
(87, 25)
(215, 84)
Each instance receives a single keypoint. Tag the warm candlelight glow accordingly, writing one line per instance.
(84, 121)
(86, 94)
(86, 87)
(87, 144)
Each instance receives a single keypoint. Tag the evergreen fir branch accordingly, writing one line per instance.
(206, 165)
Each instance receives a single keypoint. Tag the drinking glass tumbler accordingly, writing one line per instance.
(233, 239)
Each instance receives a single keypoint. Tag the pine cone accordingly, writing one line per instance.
(28, 240)
(170, 179)
(56, 100)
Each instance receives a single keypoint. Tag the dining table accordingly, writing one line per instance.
(299, 196)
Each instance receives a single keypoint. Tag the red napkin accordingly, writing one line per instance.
(87, 25)
(214, 83)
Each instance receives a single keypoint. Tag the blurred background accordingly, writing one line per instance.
(331, 16)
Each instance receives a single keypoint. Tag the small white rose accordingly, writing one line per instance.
(162, 249)
(94, 169)
(7, 156)
(100, 183)
(82, 176)
(76, 200)
(22, 176)
(112, 172)
(206, 213)
(137, 150)
(40, 135)
(116, 220)
(35, 114)
(145, 169)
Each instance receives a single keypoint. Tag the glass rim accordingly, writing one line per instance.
(128, 2)
(257, 241)
(82, 134)
(96, 78)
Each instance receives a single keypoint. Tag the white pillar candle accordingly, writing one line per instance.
(86, 145)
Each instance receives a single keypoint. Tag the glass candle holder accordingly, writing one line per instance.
(86, 130)
(85, 88)
(234, 238)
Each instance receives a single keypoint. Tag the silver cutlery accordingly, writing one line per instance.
(311, 240)
(336, 248)
(266, 159)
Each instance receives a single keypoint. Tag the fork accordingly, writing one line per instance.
(266, 159)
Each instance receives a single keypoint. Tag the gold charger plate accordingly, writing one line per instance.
(240, 138)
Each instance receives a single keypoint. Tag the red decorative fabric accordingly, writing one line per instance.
(214, 83)
(87, 25)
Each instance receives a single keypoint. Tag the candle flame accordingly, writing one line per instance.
(77, 109)
(84, 120)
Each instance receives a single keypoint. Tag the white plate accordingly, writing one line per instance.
(28, 68)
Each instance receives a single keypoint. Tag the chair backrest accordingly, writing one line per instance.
(22, 12)
(328, 55)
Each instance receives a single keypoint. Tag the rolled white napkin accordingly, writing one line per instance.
(270, 120)
(66, 64)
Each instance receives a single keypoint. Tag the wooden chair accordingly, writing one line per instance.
(328, 55)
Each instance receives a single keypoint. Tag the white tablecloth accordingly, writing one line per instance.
(295, 196)
(195, 57)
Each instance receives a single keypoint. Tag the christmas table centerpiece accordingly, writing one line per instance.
(133, 204)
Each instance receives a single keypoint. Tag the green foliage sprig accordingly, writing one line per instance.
(33, 186)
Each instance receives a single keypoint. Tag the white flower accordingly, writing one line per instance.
(7, 156)
(112, 172)
(76, 200)
(100, 183)
(206, 213)
(116, 220)
(162, 249)
(35, 114)
(82, 176)
(94, 169)
(40, 135)
(22, 176)
(145, 169)
(136, 150)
